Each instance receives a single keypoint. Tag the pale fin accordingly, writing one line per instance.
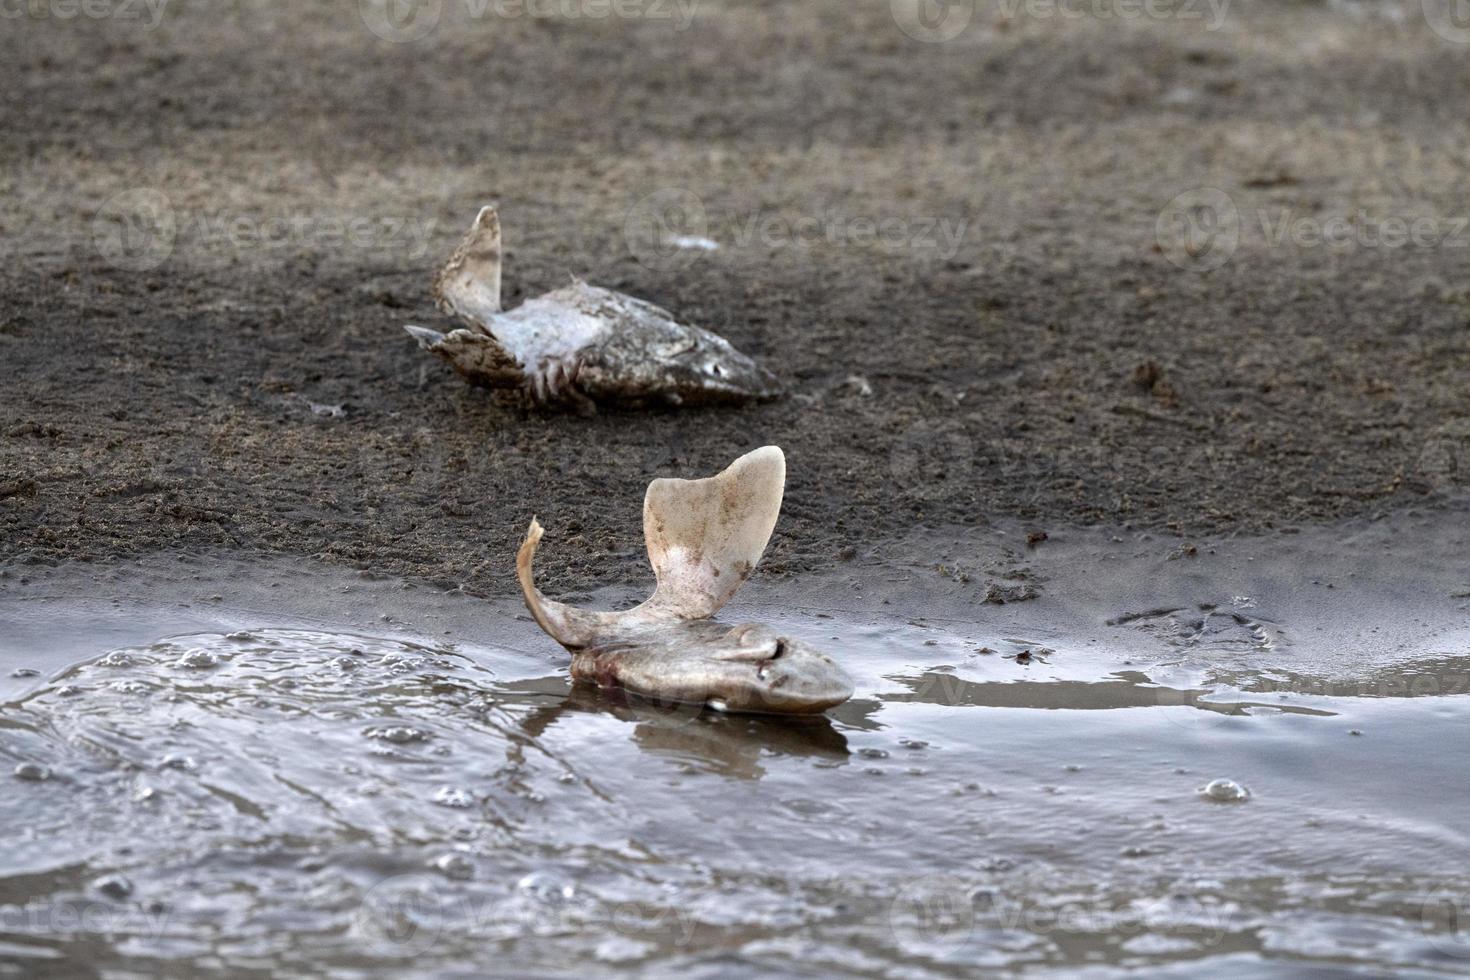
(427, 338)
(572, 628)
(469, 284)
(705, 536)
(476, 355)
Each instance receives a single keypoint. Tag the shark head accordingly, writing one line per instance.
(714, 372)
(704, 539)
(748, 669)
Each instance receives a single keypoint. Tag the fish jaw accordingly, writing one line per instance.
(749, 670)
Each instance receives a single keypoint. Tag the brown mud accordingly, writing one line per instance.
(242, 382)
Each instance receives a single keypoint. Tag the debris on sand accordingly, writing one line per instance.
(1000, 593)
(1149, 376)
(580, 345)
(704, 539)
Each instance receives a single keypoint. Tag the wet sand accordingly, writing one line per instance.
(1059, 360)
(1093, 518)
(364, 772)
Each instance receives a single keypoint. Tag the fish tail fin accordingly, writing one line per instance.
(469, 284)
(568, 626)
(705, 537)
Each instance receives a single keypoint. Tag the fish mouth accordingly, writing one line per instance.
(782, 677)
(791, 681)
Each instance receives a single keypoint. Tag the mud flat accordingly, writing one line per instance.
(283, 764)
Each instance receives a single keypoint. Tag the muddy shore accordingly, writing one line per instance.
(1026, 344)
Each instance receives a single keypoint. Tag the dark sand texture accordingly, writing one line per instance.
(1054, 364)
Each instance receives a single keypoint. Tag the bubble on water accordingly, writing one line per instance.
(175, 760)
(242, 636)
(547, 886)
(25, 672)
(913, 743)
(454, 865)
(198, 660)
(871, 753)
(32, 772)
(454, 797)
(118, 658)
(68, 691)
(130, 687)
(1225, 791)
(114, 886)
(399, 734)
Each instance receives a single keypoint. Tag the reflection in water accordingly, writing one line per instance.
(1132, 689)
(731, 745)
(311, 802)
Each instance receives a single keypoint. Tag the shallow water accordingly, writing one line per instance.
(313, 799)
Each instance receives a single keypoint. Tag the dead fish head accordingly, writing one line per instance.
(749, 669)
(711, 371)
(704, 539)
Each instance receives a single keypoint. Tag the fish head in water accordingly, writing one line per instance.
(750, 668)
(704, 539)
